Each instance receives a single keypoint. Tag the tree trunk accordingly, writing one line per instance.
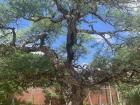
(77, 92)
(78, 95)
(42, 37)
(71, 39)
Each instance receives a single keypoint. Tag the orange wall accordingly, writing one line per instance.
(34, 95)
(98, 97)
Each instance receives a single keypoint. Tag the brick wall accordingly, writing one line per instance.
(105, 96)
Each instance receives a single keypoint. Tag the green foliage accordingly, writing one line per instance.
(133, 21)
(101, 62)
(127, 58)
(26, 63)
(19, 70)
(6, 50)
(123, 58)
(47, 25)
(6, 14)
(134, 97)
(8, 89)
(129, 94)
(27, 8)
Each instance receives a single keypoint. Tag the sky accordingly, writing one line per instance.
(88, 58)
(98, 26)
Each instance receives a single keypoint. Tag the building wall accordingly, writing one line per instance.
(106, 95)
(32, 95)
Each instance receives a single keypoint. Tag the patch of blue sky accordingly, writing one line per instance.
(98, 25)
(21, 24)
(59, 41)
(2, 1)
(92, 52)
(120, 37)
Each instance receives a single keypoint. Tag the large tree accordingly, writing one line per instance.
(51, 17)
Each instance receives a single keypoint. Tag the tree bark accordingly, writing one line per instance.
(71, 39)
(42, 37)
(78, 95)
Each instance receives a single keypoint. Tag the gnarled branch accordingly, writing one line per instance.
(102, 34)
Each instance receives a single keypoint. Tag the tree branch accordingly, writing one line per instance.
(43, 17)
(102, 34)
(108, 78)
(6, 27)
(98, 16)
(101, 18)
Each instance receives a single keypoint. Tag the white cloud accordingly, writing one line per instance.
(99, 39)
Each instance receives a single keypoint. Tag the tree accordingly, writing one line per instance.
(20, 70)
(70, 14)
(126, 59)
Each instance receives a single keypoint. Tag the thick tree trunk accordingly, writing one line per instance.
(78, 95)
(71, 39)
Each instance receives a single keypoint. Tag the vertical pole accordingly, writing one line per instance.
(110, 95)
(32, 97)
(100, 99)
(118, 97)
(90, 98)
(106, 93)
(13, 101)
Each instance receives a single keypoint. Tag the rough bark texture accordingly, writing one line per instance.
(78, 95)
(42, 37)
(71, 39)
(76, 91)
